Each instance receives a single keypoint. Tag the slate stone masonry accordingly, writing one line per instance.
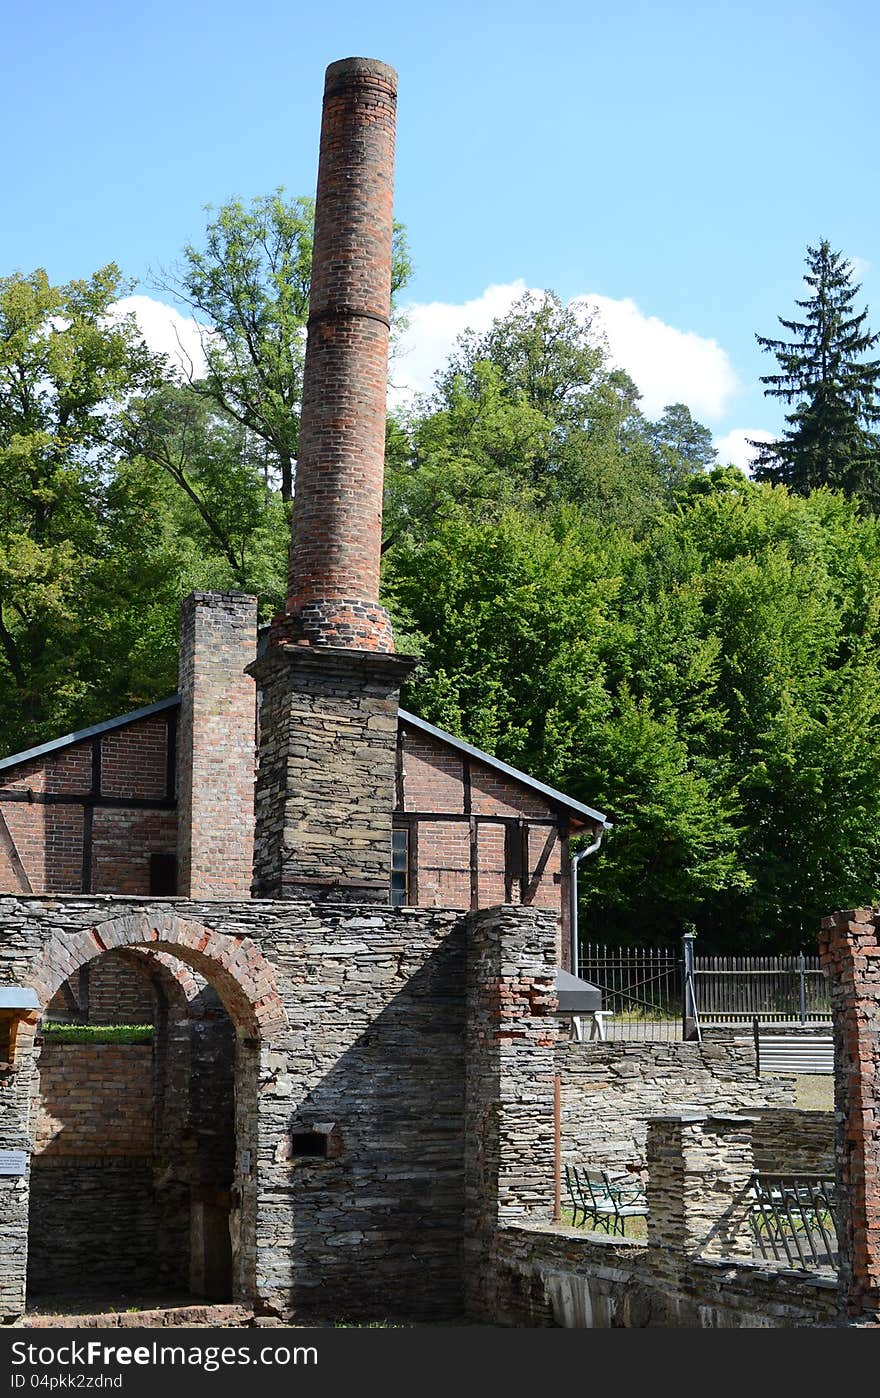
(511, 1033)
(362, 1047)
(325, 785)
(611, 1089)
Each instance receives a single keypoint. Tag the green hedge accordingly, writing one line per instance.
(98, 1033)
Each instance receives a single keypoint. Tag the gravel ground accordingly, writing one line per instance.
(814, 1092)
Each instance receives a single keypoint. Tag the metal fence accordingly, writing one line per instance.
(661, 993)
(772, 989)
(642, 987)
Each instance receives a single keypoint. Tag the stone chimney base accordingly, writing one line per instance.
(325, 790)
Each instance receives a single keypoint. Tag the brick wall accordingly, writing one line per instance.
(849, 949)
(95, 1100)
(112, 990)
(50, 841)
(507, 845)
(218, 637)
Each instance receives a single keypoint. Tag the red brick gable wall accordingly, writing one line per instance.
(65, 825)
(502, 843)
(476, 838)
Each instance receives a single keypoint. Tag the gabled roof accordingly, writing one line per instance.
(94, 732)
(557, 798)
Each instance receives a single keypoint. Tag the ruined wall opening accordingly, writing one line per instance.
(144, 1139)
(134, 1136)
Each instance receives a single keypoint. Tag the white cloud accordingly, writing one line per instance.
(166, 331)
(733, 448)
(667, 364)
(433, 328)
(860, 265)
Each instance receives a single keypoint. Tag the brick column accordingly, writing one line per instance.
(698, 1173)
(849, 950)
(215, 754)
(509, 1044)
(329, 680)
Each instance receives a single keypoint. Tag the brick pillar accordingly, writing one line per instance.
(509, 1044)
(849, 949)
(329, 680)
(215, 751)
(698, 1201)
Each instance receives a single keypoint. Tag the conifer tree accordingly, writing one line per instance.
(829, 438)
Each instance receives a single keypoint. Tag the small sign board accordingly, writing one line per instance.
(13, 1162)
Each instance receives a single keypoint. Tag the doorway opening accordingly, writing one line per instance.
(132, 1189)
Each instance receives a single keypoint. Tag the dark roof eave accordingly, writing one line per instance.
(17, 758)
(584, 815)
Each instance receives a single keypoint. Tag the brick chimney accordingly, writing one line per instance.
(215, 749)
(329, 678)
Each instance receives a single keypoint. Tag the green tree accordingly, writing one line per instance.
(249, 286)
(66, 366)
(829, 438)
(528, 412)
(712, 682)
(684, 446)
(220, 498)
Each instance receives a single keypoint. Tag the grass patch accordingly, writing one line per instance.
(58, 1033)
(636, 1226)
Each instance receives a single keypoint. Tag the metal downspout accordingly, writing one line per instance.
(575, 861)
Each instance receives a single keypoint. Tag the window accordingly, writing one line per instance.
(399, 866)
(163, 874)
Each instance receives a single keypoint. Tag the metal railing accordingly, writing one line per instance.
(657, 993)
(794, 1220)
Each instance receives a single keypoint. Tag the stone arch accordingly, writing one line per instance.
(234, 965)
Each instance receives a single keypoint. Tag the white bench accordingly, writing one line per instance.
(597, 1025)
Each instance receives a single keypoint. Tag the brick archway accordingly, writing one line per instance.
(235, 966)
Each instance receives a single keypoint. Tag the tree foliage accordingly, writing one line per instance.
(65, 368)
(712, 685)
(529, 412)
(829, 437)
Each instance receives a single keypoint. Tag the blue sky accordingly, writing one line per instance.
(671, 159)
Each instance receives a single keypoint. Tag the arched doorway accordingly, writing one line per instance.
(144, 1148)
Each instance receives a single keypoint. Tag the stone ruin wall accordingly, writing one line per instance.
(349, 1028)
(611, 1089)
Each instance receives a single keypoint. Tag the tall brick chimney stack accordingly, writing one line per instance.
(329, 678)
(333, 584)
